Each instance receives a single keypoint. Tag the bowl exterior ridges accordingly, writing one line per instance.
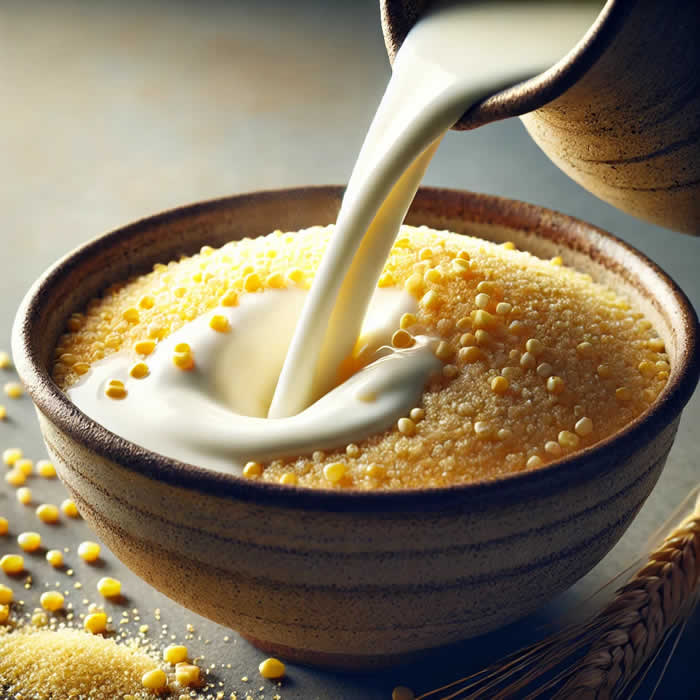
(354, 579)
(355, 587)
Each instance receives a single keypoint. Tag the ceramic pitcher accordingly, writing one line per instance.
(620, 114)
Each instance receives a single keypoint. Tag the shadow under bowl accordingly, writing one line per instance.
(353, 579)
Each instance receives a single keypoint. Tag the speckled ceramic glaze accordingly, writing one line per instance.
(340, 578)
(620, 115)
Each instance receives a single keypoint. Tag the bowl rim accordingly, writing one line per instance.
(584, 464)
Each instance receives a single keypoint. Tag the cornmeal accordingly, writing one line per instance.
(538, 361)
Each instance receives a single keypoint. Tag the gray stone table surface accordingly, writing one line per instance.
(113, 111)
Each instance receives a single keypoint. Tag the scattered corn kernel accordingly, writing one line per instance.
(187, 674)
(3, 412)
(568, 439)
(12, 564)
(482, 337)
(503, 308)
(69, 509)
(4, 526)
(450, 371)
(47, 513)
(544, 370)
(483, 429)
(230, 298)
(289, 479)
(402, 339)
(4, 613)
(11, 455)
(39, 618)
(96, 623)
(433, 275)
(406, 426)
(469, 355)
(334, 471)
(534, 462)
(131, 315)
(144, 347)
(219, 323)
(29, 541)
(175, 654)
(272, 669)
(182, 357)
(24, 495)
(482, 300)
(499, 385)
(89, 551)
(487, 287)
(154, 680)
(15, 477)
(252, 469)
(444, 351)
(430, 300)
(109, 587)
(483, 319)
(55, 558)
(115, 389)
(604, 371)
(527, 360)
(4, 360)
(352, 450)
(14, 390)
(555, 385)
(376, 471)
(139, 370)
(81, 368)
(534, 346)
(51, 601)
(552, 448)
(45, 469)
(584, 426)
(26, 466)
(6, 594)
(417, 415)
(647, 369)
(407, 320)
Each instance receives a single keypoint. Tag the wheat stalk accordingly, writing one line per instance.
(608, 655)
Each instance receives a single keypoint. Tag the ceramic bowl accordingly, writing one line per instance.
(352, 579)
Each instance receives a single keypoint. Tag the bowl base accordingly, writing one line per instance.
(347, 663)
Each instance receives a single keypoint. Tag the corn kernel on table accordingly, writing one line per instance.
(113, 111)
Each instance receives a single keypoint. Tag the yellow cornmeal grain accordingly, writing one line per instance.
(68, 663)
(539, 360)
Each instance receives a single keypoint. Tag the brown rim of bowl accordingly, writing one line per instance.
(538, 91)
(592, 461)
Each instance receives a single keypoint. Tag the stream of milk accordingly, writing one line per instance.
(215, 416)
(455, 56)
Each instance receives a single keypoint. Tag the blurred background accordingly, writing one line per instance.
(111, 111)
